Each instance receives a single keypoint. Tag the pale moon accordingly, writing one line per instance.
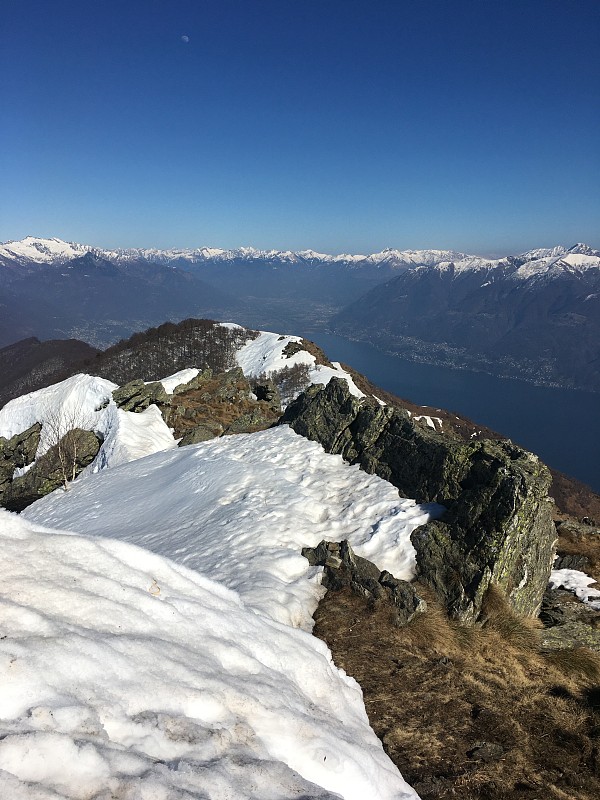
(185, 39)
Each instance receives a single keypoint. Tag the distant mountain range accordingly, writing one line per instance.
(535, 315)
(32, 250)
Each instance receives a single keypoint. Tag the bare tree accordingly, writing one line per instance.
(64, 432)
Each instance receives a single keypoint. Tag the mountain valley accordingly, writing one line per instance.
(533, 316)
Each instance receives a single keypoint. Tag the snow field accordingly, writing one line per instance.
(131, 675)
(239, 509)
(128, 675)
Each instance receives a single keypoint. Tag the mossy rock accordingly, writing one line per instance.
(498, 524)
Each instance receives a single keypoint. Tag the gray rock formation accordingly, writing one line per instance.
(498, 525)
(201, 433)
(267, 391)
(344, 569)
(51, 470)
(215, 404)
(137, 395)
(17, 452)
(194, 383)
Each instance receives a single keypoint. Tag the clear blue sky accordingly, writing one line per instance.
(341, 126)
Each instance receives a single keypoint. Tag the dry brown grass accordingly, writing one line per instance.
(477, 712)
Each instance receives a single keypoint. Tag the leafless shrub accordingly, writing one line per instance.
(60, 427)
(290, 381)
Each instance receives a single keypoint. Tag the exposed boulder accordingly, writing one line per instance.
(344, 569)
(498, 525)
(201, 433)
(137, 395)
(568, 622)
(255, 420)
(267, 391)
(50, 471)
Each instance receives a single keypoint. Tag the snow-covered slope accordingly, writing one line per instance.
(239, 509)
(126, 675)
(85, 401)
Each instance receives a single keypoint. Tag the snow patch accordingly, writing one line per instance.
(183, 376)
(577, 582)
(265, 355)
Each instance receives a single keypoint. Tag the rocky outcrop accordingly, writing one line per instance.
(209, 405)
(216, 404)
(137, 395)
(568, 622)
(344, 569)
(61, 463)
(17, 452)
(498, 525)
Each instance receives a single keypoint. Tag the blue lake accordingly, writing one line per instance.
(561, 425)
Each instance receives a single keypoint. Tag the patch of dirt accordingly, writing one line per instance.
(471, 713)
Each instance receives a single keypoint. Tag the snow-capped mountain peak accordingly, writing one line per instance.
(41, 251)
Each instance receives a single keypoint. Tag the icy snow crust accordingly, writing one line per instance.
(239, 509)
(127, 675)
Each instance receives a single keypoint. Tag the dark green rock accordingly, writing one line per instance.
(253, 421)
(17, 452)
(194, 383)
(201, 433)
(59, 465)
(498, 524)
(137, 396)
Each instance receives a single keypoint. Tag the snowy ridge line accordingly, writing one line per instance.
(264, 355)
(56, 251)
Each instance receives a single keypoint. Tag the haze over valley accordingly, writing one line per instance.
(533, 316)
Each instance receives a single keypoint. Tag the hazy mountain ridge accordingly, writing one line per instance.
(533, 315)
(535, 318)
(56, 251)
